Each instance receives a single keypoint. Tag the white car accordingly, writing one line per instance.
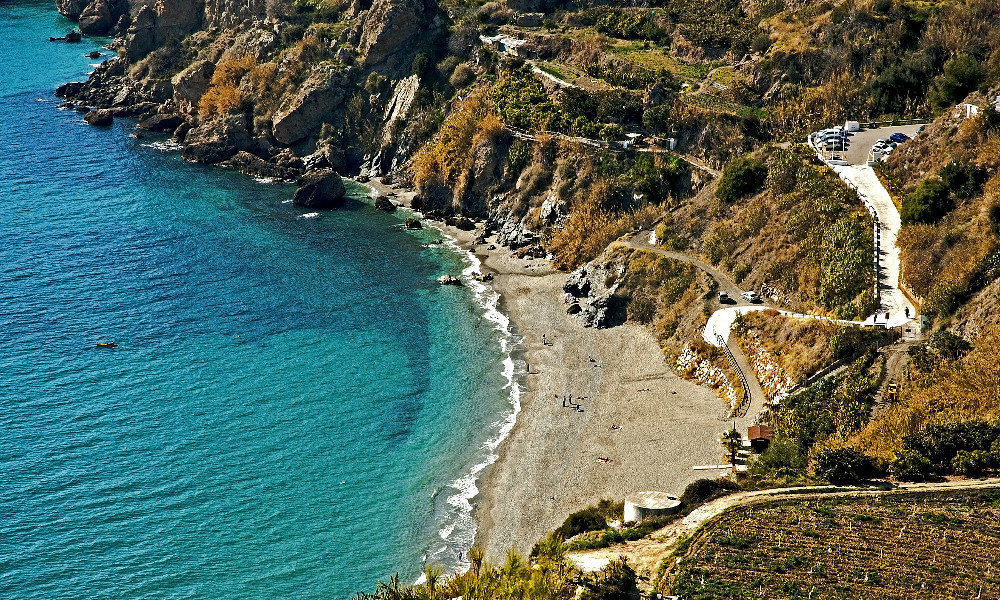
(751, 297)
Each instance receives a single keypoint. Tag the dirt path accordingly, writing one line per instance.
(645, 555)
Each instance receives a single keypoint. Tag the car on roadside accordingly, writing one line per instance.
(899, 137)
(723, 298)
(751, 297)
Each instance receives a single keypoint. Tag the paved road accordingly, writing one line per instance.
(892, 300)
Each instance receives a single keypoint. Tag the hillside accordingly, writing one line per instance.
(654, 152)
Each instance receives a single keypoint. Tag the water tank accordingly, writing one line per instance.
(642, 505)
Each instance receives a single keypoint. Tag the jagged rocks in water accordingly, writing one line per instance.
(73, 36)
(383, 203)
(93, 54)
(254, 166)
(180, 134)
(412, 223)
(82, 109)
(320, 189)
(362, 179)
(449, 280)
(99, 118)
(70, 89)
(163, 123)
(218, 140)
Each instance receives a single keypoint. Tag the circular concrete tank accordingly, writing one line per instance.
(642, 505)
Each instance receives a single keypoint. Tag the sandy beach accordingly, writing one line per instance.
(548, 467)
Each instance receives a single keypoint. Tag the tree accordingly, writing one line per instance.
(741, 177)
(962, 74)
(844, 465)
(588, 519)
(732, 441)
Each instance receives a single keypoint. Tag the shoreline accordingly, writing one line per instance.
(547, 465)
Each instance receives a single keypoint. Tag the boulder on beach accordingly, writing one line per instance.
(461, 222)
(322, 188)
(383, 203)
(99, 118)
(412, 223)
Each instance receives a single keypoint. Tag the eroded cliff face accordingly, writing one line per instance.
(243, 76)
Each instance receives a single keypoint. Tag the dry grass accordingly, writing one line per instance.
(968, 389)
(801, 347)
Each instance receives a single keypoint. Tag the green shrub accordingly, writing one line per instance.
(927, 204)
(701, 491)
(588, 519)
(781, 460)
(964, 180)
(962, 74)
(910, 465)
(844, 465)
(741, 177)
(941, 443)
(973, 463)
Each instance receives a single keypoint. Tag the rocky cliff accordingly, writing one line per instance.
(265, 77)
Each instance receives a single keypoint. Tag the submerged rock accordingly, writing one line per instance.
(254, 166)
(412, 223)
(322, 188)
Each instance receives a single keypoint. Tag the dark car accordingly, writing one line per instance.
(899, 138)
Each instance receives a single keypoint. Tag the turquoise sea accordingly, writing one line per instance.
(296, 409)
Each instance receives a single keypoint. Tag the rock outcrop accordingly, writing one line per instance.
(71, 9)
(96, 19)
(99, 118)
(254, 166)
(192, 82)
(304, 114)
(390, 29)
(161, 123)
(218, 140)
(320, 189)
(383, 203)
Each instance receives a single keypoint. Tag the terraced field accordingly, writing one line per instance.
(905, 545)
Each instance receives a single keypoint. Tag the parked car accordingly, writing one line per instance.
(899, 137)
(723, 298)
(751, 297)
(921, 129)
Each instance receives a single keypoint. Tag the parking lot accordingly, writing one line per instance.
(861, 142)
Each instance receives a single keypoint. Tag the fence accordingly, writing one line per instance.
(745, 407)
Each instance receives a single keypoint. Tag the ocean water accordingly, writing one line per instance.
(295, 408)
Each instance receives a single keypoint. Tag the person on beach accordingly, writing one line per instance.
(544, 343)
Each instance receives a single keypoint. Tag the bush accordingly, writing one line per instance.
(741, 177)
(701, 491)
(965, 180)
(973, 463)
(844, 465)
(940, 444)
(910, 465)
(781, 460)
(927, 204)
(588, 519)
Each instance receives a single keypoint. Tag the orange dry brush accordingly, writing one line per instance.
(223, 94)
